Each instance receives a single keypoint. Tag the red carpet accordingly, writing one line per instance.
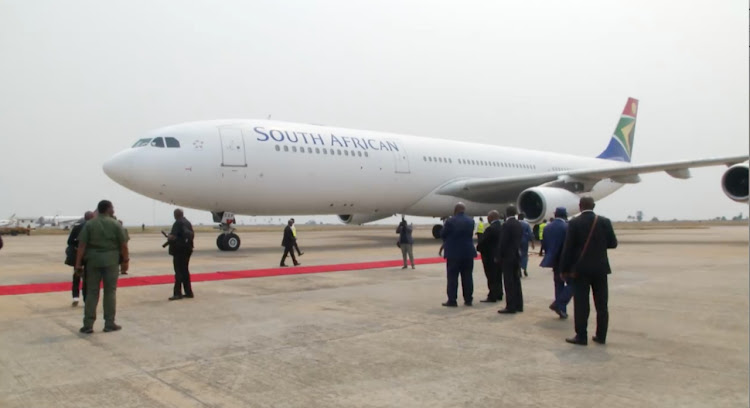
(131, 280)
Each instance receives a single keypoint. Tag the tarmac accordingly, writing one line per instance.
(379, 337)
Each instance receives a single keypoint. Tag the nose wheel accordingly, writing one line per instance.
(228, 242)
(436, 230)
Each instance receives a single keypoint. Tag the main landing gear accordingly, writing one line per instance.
(227, 240)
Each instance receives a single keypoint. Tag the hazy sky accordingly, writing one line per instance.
(81, 80)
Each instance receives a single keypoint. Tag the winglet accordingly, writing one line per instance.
(620, 146)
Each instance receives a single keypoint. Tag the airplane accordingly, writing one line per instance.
(264, 167)
(10, 222)
(61, 221)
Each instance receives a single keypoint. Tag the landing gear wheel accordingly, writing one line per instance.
(231, 242)
(220, 240)
(436, 230)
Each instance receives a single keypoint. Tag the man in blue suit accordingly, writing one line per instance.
(554, 239)
(458, 241)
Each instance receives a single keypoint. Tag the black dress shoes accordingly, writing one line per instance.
(598, 340)
(176, 297)
(506, 311)
(488, 300)
(468, 303)
(86, 330)
(450, 304)
(577, 341)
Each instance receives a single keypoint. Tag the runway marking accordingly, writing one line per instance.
(29, 288)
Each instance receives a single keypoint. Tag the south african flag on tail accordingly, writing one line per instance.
(620, 147)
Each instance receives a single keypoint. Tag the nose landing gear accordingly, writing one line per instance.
(227, 240)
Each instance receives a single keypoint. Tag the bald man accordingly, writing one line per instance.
(458, 241)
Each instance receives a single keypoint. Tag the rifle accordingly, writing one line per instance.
(166, 244)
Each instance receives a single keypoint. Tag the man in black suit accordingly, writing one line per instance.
(288, 243)
(509, 259)
(584, 259)
(487, 246)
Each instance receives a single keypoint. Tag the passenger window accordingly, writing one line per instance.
(309, 149)
(317, 150)
(172, 142)
(359, 154)
(157, 142)
(286, 148)
(366, 155)
(338, 151)
(346, 152)
(294, 149)
(278, 148)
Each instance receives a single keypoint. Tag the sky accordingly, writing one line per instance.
(82, 80)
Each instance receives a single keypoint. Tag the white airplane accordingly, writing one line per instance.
(60, 221)
(10, 222)
(261, 167)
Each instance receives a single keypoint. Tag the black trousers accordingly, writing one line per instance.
(77, 288)
(513, 293)
(463, 267)
(598, 284)
(181, 262)
(494, 278)
(297, 248)
(288, 250)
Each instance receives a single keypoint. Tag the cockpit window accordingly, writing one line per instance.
(172, 142)
(142, 142)
(158, 142)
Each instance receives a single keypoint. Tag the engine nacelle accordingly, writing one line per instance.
(539, 203)
(359, 219)
(734, 182)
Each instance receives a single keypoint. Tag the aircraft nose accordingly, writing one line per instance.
(119, 167)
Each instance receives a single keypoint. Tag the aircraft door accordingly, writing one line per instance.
(401, 159)
(232, 148)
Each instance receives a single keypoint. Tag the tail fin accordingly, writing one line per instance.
(620, 147)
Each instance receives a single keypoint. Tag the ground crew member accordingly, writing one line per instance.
(288, 243)
(70, 258)
(181, 247)
(102, 242)
(480, 229)
(541, 237)
(294, 233)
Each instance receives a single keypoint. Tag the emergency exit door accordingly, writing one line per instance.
(232, 148)
(401, 158)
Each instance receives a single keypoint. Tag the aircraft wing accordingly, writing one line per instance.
(504, 189)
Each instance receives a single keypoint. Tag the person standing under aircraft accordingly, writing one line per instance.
(294, 232)
(488, 246)
(70, 258)
(526, 238)
(509, 260)
(541, 237)
(288, 243)
(457, 235)
(180, 241)
(554, 234)
(405, 241)
(584, 258)
(102, 241)
(480, 229)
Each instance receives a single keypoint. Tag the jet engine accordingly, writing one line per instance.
(359, 219)
(734, 182)
(539, 203)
